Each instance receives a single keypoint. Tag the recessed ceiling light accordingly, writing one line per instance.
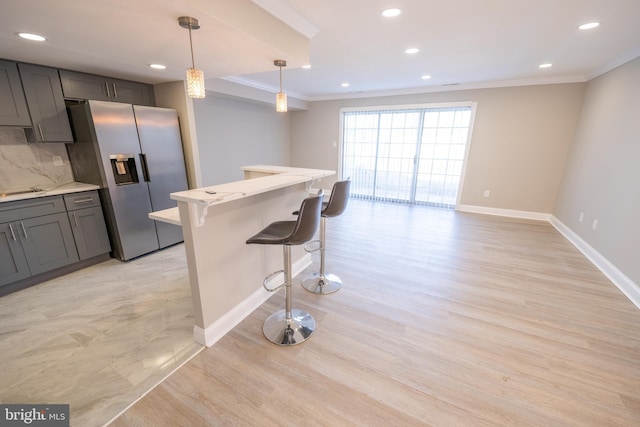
(390, 13)
(30, 36)
(426, 77)
(306, 67)
(345, 84)
(412, 50)
(589, 25)
(546, 65)
(158, 66)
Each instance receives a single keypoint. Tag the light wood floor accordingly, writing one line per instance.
(445, 319)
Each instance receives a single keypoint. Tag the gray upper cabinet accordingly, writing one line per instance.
(13, 105)
(48, 112)
(88, 86)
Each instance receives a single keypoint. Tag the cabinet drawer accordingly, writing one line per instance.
(21, 209)
(86, 199)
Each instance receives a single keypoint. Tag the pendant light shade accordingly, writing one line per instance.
(195, 83)
(281, 97)
(281, 102)
(195, 76)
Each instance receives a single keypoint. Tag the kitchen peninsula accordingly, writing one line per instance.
(225, 273)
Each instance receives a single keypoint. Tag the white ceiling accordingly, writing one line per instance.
(471, 43)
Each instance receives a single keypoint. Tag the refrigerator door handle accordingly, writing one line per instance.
(145, 167)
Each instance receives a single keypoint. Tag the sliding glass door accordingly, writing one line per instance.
(412, 155)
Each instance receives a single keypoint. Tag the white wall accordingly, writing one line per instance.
(233, 133)
(521, 140)
(602, 176)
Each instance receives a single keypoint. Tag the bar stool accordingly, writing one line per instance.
(326, 283)
(290, 326)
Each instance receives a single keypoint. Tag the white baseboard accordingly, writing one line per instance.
(622, 282)
(229, 320)
(630, 289)
(512, 213)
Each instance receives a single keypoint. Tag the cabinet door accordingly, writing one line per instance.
(46, 103)
(132, 92)
(47, 242)
(13, 106)
(89, 232)
(13, 263)
(84, 86)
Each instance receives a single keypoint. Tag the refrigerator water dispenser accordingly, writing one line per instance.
(124, 168)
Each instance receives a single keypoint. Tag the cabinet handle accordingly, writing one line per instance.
(41, 133)
(12, 233)
(75, 218)
(115, 92)
(81, 201)
(24, 230)
(106, 84)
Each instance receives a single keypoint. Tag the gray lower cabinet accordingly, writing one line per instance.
(13, 105)
(79, 86)
(46, 233)
(13, 262)
(47, 242)
(34, 245)
(46, 104)
(87, 223)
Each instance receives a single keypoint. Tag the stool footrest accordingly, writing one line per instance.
(271, 276)
(307, 246)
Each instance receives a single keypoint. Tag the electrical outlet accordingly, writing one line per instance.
(487, 193)
(581, 217)
(335, 144)
(595, 224)
(57, 161)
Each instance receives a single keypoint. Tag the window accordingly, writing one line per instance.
(410, 154)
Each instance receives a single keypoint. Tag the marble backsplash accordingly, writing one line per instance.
(24, 165)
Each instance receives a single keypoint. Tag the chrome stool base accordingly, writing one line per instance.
(282, 331)
(322, 284)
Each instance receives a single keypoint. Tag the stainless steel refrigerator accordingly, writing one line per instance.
(134, 153)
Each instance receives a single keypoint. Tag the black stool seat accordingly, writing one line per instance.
(326, 283)
(290, 326)
(283, 233)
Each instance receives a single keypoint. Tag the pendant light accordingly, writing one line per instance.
(195, 77)
(281, 97)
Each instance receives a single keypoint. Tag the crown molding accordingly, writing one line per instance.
(450, 88)
(630, 56)
(289, 16)
(262, 86)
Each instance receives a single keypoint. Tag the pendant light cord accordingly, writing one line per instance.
(193, 62)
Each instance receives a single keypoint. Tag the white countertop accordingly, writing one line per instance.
(221, 193)
(275, 177)
(170, 216)
(50, 190)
